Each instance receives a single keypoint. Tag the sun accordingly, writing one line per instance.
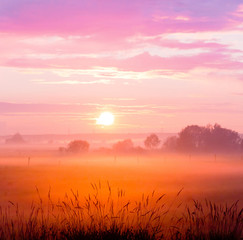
(105, 119)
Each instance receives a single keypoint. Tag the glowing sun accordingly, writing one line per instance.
(105, 119)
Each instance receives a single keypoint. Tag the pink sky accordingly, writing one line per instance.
(157, 65)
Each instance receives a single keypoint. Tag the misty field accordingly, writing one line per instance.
(166, 196)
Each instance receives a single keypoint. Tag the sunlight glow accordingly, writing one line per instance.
(105, 119)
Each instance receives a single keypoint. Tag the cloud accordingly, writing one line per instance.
(137, 57)
(71, 82)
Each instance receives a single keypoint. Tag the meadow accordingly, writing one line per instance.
(46, 195)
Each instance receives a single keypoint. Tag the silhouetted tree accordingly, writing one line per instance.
(220, 139)
(209, 138)
(123, 146)
(152, 141)
(78, 146)
(191, 138)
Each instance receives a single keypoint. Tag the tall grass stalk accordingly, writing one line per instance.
(107, 214)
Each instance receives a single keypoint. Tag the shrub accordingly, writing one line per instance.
(78, 146)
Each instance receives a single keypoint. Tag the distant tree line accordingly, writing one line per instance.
(193, 138)
(214, 138)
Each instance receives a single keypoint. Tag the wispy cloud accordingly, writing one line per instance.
(158, 60)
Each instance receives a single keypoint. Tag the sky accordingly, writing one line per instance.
(157, 65)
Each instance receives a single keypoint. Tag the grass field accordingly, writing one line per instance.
(46, 196)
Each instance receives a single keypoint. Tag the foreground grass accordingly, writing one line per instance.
(105, 214)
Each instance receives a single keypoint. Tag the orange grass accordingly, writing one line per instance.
(105, 213)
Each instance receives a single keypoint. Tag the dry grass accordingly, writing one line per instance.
(108, 214)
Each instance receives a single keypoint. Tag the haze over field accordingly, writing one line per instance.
(201, 177)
